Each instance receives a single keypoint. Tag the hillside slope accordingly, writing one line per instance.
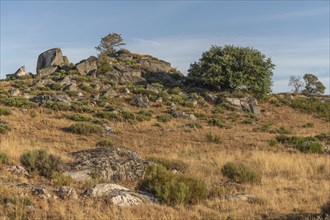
(165, 122)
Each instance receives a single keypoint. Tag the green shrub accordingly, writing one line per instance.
(42, 162)
(79, 117)
(55, 86)
(21, 84)
(19, 102)
(4, 127)
(248, 121)
(4, 158)
(170, 164)
(144, 115)
(323, 137)
(146, 112)
(307, 145)
(113, 116)
(218, 110)
(104, 143)
(213, 138)
(59, 179)
(71, 93)
(33, 114)
(200, 115)
(128, 115)
(79, 106)
(308, 125)
(56, 106)
(176, 91)
(164, 118)
(273, 142)
(86, 88)
(283, 138)
(283, 130)
(312, 105)
(158, 86)
(5, 111)
(172, 188)
(217, 122)
(164, 95)
(303, 144)
(177, 98)
(267, 127)
(238, 172)
(85, 128)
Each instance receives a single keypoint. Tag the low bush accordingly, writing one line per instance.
(85, 128)
(312, 105)
(104, 143)
(323, 137)
(171, 188)
(248, 121)
(164, 118)
(177, 165)
(217, 122)
(213, 138)
(112, 116)
(308, 125)
(144, 115)
(19, 102)
(282, 130)
(200, 115)
(303, 144)
(5, 111)
(59, 179)
(272, 142)
(55, 86)
(128, 115)
(238, 172)
(33, 114)
(42, 162)
(4, 158)
(267, 127)
(176, 91)
(4, 127)
(56, 106)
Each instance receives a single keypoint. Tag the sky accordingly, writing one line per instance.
(293, 33)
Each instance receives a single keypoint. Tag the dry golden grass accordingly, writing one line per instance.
(291, 181)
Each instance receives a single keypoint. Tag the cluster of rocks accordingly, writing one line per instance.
(109, 163)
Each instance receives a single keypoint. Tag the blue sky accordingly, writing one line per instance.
(295, 34)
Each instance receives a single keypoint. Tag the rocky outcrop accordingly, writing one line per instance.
(125, 76)
(18, 74)
(66, 192)
(154, 65)
(247, 104)
(118, 195)
(50, 59)
(140, 101)
(88, 66)
(111, 163)
(182, 115)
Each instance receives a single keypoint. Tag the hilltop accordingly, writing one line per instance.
(130, 137)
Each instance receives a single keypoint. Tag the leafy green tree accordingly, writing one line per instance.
(313, 84)
(109, 43)
(228, 68)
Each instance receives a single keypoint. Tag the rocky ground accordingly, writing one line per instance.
(105, 123)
